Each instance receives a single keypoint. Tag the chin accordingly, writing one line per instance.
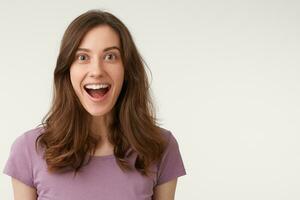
(98, 113)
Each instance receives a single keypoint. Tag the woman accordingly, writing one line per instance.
(100, 139)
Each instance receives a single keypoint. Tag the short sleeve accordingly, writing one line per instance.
(171, 165)
(19, 163)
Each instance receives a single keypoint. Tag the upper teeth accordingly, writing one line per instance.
(96, 86)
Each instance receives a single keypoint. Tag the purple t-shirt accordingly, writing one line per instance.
(102, 178)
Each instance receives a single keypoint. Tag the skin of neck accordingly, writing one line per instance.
(100, 126)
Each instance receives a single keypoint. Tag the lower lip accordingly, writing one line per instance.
(102, 98)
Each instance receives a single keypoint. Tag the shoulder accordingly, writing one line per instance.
(171, 164)
(33, 133)
(27, 139)
(172, 146)
(168, 136)
(22, 158)
(29, 135)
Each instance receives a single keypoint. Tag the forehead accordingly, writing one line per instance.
(99, 38)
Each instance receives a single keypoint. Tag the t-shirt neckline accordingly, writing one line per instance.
(103, 157)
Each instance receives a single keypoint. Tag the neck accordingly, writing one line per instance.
(100, 127)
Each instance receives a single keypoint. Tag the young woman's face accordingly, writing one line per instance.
(97, 73)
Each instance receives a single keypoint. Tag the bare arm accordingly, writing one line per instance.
(23, 191)
(165, 191)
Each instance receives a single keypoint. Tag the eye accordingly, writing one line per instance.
(110, 57)
(81, 57)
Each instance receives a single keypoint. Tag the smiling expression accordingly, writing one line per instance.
(98, 60)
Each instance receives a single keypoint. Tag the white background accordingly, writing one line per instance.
(225, 77)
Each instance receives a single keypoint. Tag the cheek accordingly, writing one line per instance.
(75, 79)
(120, 76)
(117, 75)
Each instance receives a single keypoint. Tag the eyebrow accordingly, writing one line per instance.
(104, 50)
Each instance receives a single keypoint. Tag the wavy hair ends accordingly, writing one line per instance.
(68, 140)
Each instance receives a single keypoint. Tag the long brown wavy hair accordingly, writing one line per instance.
(67, 138)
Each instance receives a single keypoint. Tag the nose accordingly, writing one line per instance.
(97, 68)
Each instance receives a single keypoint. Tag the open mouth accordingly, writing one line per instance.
(97, 93)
